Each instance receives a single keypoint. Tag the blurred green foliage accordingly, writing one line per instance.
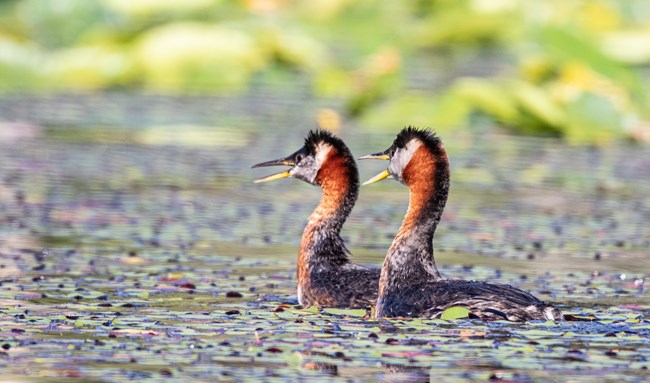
(569, 68)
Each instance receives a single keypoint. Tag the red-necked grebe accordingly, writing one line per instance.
(326, 276)
(410, 284)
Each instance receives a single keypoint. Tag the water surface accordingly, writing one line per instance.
(134, 245)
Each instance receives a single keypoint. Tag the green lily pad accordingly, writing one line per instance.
(455, 312)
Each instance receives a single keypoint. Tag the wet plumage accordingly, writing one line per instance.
(326, 275)
(410, 284)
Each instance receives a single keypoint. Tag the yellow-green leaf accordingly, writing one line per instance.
(455, 312)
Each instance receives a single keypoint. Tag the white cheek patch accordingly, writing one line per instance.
(307, 170)
(402, 157)
(322, 150)
(409, 151)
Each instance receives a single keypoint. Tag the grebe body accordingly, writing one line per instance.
(410, 284)
(326, 275)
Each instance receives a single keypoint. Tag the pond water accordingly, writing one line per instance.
(134, 246)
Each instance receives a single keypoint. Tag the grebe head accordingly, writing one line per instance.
(407, 143)
(321, 149)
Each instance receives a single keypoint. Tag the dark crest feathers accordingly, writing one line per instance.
(317, 136)
(428, 137)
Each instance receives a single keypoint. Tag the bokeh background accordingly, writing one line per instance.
(575, 69)
(134, 245)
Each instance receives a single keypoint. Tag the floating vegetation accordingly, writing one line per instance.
(139, 261)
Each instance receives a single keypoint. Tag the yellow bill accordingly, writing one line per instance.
(379, 177)
(274, 177)
(375, 156)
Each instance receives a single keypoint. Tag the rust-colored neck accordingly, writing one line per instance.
(321, 244)
(410, 256)
(340, 190)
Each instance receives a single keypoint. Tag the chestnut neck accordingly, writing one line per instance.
(321, 244)
(410, 256)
